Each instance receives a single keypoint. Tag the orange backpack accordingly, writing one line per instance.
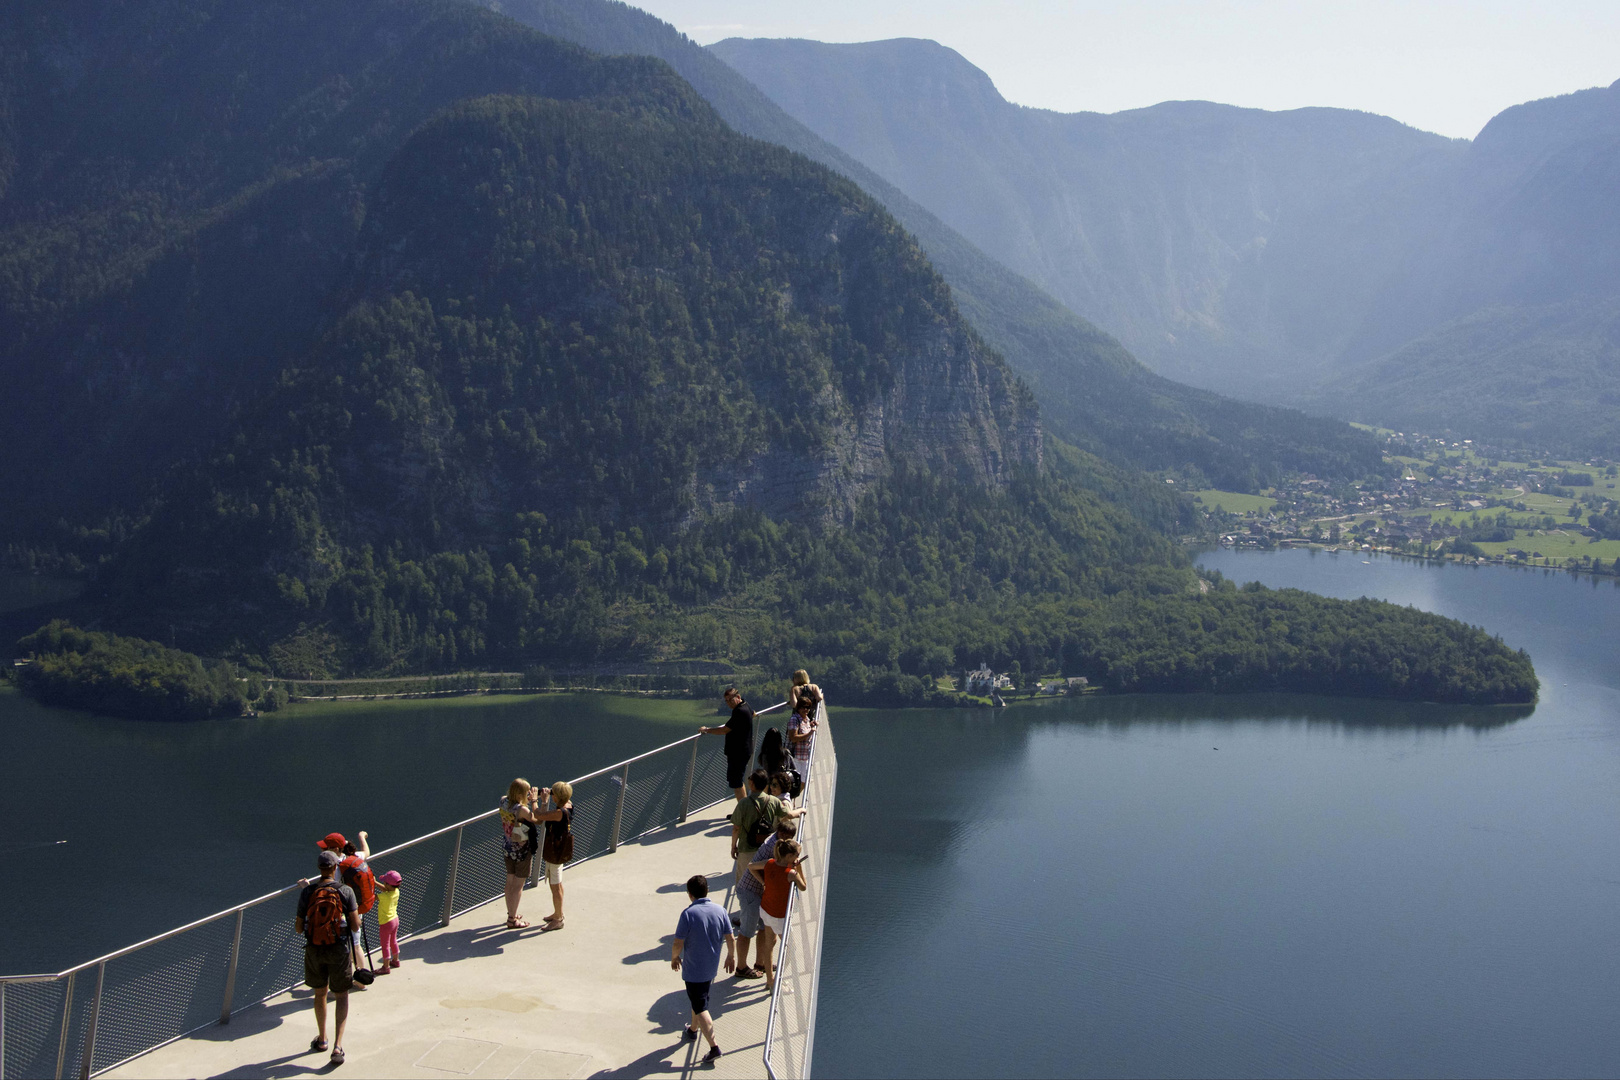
(357, 875)
(324, 917)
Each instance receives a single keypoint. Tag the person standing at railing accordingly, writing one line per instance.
(388, 920)
(700, 931)
(776, 875)
(801, 729)
(520, 839)
(753, 820)
(558, 821)
(739, 733)
(750, 891)
(329, 918)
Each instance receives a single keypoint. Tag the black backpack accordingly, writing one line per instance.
(795, 781)
(763, 826)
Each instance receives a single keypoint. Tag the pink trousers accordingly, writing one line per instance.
(388, 939)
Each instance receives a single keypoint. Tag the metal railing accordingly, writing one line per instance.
(790, 1028)
(100, 1014)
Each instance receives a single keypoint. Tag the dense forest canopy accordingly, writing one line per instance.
(491, 351)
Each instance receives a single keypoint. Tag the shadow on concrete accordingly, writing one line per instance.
(676, 1059)
(283, 1066)
(261, 1017)
(659, 952)
(449, 946)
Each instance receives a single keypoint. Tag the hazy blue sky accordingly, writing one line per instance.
(1441, 65)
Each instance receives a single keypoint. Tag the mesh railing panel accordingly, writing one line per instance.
(162, 991)
(654, 797)
(709, 782)
(177, 984)
(481, 873)
(790, 1030)
(594, 802)
(33, 1024)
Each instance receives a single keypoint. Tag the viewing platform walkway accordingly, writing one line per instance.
(474, 999)
(224, 996)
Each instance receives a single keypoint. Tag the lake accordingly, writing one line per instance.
(1147, 885)
(1244, 886)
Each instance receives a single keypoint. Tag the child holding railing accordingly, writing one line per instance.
(388, 920)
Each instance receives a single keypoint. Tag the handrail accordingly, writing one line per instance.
(824, 834)
(127, 949)
(79, 1028)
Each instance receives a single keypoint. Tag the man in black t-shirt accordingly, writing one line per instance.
(739, 733)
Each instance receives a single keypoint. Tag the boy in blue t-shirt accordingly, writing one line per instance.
(702, 928)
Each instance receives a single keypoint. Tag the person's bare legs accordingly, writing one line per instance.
(766, 958)
(742, 951)
(704, 1024)
(556, 916)
(320, 1013)
(342, 1010)
(740, 792)
(514, 896)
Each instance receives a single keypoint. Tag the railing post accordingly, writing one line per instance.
(618, 811)
(67, 1014)
(686, 792)
(230, 970)
(95, 1018)
(450, 882)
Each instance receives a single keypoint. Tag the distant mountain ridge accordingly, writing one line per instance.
(1092, 391)
(1264, 254)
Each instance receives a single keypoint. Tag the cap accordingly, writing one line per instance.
(334, 842)
(391, 879)
(327, 860)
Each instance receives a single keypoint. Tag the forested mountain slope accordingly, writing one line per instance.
(1312, 256)
(1092, 391)
(396, 336)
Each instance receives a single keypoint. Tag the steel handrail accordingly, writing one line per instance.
(69, 975)
(126, 950)
(787, 923)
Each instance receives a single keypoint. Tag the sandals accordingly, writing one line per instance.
(337, 1056)
(517, 923)
(749, 973)
(317, 1045)
(550, 925)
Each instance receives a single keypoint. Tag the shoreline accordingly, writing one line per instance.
(1453, 560)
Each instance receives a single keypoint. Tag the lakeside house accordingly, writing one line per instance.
(982, 680)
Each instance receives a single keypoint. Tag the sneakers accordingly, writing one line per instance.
(688, 1033)
(712, 1056)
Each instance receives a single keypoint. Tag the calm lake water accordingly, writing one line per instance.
(1170, 886)
(1248, 886)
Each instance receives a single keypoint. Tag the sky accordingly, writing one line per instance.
(1445, 66)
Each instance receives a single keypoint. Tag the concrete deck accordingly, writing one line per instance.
(474, 999)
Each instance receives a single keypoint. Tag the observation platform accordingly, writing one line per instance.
(474, 999)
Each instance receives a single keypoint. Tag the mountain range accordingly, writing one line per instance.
(399, 336)
(1331, 259)
(1092, 390)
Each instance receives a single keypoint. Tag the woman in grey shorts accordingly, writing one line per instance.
(558, 850)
